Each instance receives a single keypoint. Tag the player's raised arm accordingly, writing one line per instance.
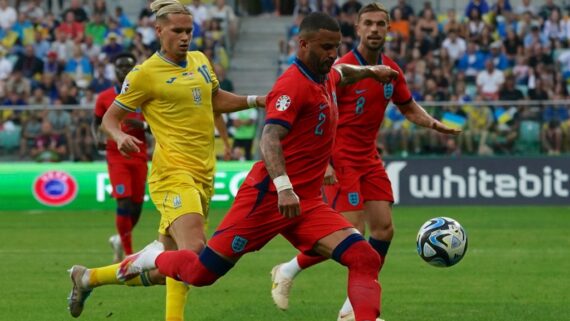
(272, 154)
(227, 102)
(351, 74)
(112, 127)
(417, 115)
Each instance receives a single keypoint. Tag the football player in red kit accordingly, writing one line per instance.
(127, 175)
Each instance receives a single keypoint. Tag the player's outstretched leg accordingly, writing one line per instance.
(182, 265)
(282, 276)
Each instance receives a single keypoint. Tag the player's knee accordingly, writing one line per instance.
(383, 231)
(124, 206)
(362, 257)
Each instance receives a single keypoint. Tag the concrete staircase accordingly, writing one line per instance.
(255, 57)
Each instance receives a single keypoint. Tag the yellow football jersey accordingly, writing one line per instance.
(176, 101)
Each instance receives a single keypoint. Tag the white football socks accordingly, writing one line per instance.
(346, 307)
(290, 269)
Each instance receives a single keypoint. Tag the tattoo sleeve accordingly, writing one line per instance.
(351, 74)
(271, 150)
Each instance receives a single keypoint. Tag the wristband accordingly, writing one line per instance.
(252, 101)
(145, 125)
(282, 183)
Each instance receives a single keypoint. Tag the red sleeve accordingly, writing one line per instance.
(283, 105)
(100, 107)
(402, 94)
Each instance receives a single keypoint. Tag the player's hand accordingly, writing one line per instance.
(383, 73)
(128, 144)
(440, 127)
(260, 101)
(330, 176)
(289, 204)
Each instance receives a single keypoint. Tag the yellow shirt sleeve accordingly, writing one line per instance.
(213, 77)
(136, 90)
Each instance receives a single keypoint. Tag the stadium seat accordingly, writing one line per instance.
(528, 141)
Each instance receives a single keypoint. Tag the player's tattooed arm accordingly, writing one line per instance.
(351, 74)
(272, 153)
(271, 150)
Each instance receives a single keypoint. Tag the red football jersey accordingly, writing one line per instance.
(104, 101)
(305, 104)
(361, 108)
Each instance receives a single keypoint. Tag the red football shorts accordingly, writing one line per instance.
(128, 179)
(357, 185)
(254, 220)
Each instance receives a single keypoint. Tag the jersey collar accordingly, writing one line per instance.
(182, 64)
(309, 74)
(361, 59)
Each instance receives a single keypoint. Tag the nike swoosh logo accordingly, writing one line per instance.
(323, 106)
(358, 92)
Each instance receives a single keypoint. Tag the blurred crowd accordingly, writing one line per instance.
(58, 53)
(489, 51)
(458, 63)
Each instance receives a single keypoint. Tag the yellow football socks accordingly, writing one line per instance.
(176, 293)
(108, 275)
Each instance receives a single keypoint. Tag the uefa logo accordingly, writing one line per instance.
(55, 188)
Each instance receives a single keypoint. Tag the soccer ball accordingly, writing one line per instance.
(442, 242)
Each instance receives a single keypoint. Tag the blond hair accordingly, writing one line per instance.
(162, 8)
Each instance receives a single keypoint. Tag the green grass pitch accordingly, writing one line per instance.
(517, 268)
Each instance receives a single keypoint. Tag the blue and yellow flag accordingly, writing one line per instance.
(452, 120)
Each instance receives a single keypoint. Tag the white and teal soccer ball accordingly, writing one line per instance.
(442, 242)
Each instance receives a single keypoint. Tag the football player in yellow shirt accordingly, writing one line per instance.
(178, 94)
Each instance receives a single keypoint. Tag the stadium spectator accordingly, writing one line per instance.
(501, 7)
(455, 45)
(31, 130)
(99, 8)
(96, 29)
(8, 15)
(479, 123)
(79, 14)
(525, 6)
(471, 62)
(122, 18)
(6, 66)
(405, 9)
(555, 28)
(489, 81)
(34, 10)
(244, 126)
(30, 65)
(113, 47)
(18, 84)
(480, 5)
(555, 120)
(71, 28)
(331, 8)
(79, 67)
(496, 54)
(226, 16)
(199, 12)
(546, 9)
(351, 7)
